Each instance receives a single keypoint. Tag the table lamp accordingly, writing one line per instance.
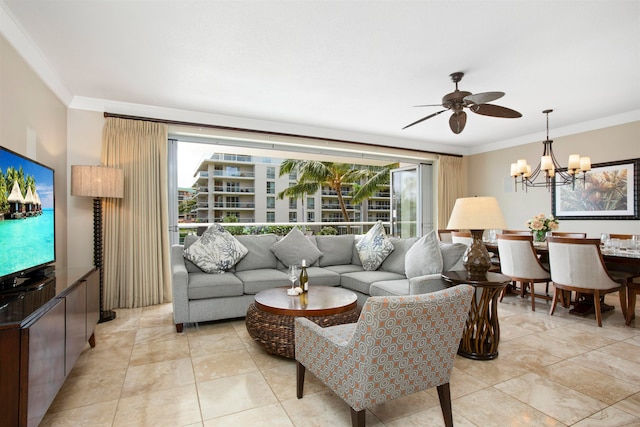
(476, 214)
(98, 182)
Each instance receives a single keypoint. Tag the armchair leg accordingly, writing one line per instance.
(444, 393)
(358, 418)
(179, 327)
(300, 370)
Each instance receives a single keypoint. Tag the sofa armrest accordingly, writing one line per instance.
(426, 284)
(179, 282)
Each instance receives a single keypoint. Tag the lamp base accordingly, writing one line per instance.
(107, 316)
(476, 259)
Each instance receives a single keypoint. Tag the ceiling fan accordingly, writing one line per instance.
(457, 100)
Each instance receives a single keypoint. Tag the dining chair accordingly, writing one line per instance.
(631, 272)
(444, 235)
(463, 237)
(400, 345)
(519, 261)
(577, 265)
(568, 234)
(522, 232)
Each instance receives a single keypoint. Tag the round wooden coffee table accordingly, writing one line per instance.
(271, 318)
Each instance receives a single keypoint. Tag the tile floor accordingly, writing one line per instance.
(556, 370)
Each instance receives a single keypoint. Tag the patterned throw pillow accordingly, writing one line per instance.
(216, 251)
(294, 247)
(374, 247)
(424, 257)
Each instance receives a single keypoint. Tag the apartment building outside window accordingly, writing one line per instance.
(293, 217)
(311, 203)
(293, 203)
(271, 188)
(271, 217)
(293, 176)
(311, 217)
(271, 172)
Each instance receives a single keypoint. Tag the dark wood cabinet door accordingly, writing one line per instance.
(43, 367)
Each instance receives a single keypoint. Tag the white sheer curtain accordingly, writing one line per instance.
(449, 187)
(136, 235)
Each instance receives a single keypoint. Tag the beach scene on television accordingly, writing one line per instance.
(27, 227)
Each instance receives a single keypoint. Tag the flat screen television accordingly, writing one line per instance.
(27, 217)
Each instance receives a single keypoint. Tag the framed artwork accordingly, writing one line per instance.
(610, 191)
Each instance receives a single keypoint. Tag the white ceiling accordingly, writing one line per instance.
(341, 69)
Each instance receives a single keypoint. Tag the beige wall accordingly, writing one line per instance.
(84, 140)
(488, 175)
(33, 122)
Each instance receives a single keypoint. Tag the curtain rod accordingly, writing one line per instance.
(263, 132)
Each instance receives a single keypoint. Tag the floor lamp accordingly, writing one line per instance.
(98, 182)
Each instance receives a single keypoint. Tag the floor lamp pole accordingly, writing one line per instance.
(98, 258)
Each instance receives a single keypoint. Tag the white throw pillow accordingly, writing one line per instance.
(374, 247)
(424, 257)
(216, 251)
(294, 247)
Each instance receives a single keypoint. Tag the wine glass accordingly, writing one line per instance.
(293, 275)
(604, 240)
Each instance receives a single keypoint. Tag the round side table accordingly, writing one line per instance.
(481, 333)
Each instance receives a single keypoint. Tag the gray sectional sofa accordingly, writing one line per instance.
(200, 296)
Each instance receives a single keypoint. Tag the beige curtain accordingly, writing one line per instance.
(449, 187)
(136, 236)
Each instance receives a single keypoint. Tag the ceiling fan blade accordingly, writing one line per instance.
(457, 121)
(429, 105)
(482, 98)
(424, 118)
(495, 111)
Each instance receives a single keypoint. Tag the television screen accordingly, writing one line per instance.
(27, 223)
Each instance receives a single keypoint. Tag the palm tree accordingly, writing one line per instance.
(313, 175)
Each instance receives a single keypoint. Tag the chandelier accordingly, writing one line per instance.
(554, 174)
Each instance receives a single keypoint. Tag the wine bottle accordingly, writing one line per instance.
(304, 277)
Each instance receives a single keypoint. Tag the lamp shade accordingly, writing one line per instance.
(476, 213)
(97, 181)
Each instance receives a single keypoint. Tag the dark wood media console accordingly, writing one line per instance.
(44, 326)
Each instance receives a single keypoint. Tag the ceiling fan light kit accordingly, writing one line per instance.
(554, 174)
(478, 103)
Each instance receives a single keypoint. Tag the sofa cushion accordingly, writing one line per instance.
(336, 250)
(361, 280)
(260, 255)
(346, 268)
(203, 285)
(216, 251)
(452, 255)
(389, 288)
(396, 259)
(374, 247)
(189, 240)
(294, 247)
(320, 276)
(265, 278)
(424, 257)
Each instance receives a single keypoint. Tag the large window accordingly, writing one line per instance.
(271, 217)
(271, 172)
(293, 203)
(311, 203)
(293, 217)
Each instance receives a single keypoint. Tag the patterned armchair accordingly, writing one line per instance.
(399, 346)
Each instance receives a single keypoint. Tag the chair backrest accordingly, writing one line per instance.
(461, 237)
(403, 344)
(518, 257)
(520, 232)
(445, 235)
(569, 234)
(621, 236)
(579, 263)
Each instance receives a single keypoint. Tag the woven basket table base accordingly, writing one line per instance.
(276, 332)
